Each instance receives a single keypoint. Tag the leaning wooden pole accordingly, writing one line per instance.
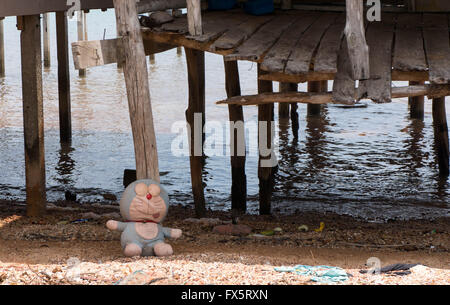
(237, 136)
(416, 104)
(2, 49)
(138, 91)
(318, 86)
(265, 146)
(195, 117)
(62, 42)
(33, 113)
(441, 135)
(46, 35)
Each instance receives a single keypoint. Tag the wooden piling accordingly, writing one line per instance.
(138, 91)
(318, 86)
(416, 104)
(265, 173)
(46, 35)
(236, 115)
(81, 35)
(196, 108)
(283, 108)
(33, 114)
(62, 42)
(2, 49)
(441, 135)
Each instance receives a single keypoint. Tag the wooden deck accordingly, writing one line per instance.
(300, 46)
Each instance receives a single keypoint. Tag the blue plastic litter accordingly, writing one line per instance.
(320, 274)
(259, 7)
(221, 5)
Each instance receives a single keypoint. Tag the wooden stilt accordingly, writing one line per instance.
(2, 49)
(416, 104)
(152, 58)
(196, 111)
(62, 41)
(81, 35)
(138, 92)
(441, 135)
(238, 177)
(46, 32)
(319, 86)
(283, 109)
(265, 173)
(33, 114)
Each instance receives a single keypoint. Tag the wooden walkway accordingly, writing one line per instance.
(300, 46)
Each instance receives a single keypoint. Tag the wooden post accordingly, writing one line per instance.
(416, 104)
(194, 16)
(119, 62)
(81, 35)
(319, 86)
(283, 108)
(265, 173)
(441, 135)
(62, 42)
(236, 114)
(33, 114)
(46, 31)
(2, 49)
(196, 111)
(138, 91)
(152, 58)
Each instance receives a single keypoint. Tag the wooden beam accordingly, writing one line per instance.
(2, 49)
(33, 114)
(102, 52)
(237, 138)
(356, 39)
(46, 34)
(138, 92)
(194, 16)
(441, 135)
(62, 42)
(145, 6)
(196, 110)
(431, 91)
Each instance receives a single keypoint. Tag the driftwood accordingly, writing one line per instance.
(327, 98)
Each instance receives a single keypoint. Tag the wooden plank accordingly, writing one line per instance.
(277, 57)
(437, 47)
(299, 62)
(326, 58)
(102, 52)
(217, 24)
(237, 139)
(378, 87)
(136, 80)
(259, 43)
(33, 114)
(344, 86)
(409, 54)
(356, 41)
(236, 35)
(62, 41)
(195, 61)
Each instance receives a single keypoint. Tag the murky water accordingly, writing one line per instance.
(371, 162)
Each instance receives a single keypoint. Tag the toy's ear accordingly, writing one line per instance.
(154, 189)
(140, 189)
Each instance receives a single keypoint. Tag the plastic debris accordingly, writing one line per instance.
(268, 233)
(320, 274)
(303, 228)
(258, 235)
(322, 226)
(62, 222)
(278, 229)
(80, 220)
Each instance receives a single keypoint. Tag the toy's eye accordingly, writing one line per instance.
(154, 190)
(141, 189)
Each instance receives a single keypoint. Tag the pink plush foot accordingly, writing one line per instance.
(132, 250)
(163, 249)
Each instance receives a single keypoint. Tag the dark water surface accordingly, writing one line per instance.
(371, 162)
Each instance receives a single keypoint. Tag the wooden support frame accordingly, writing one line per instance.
(237, 138)
(138, 92)
(33, 113)
(196, 110)
(62, 42)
